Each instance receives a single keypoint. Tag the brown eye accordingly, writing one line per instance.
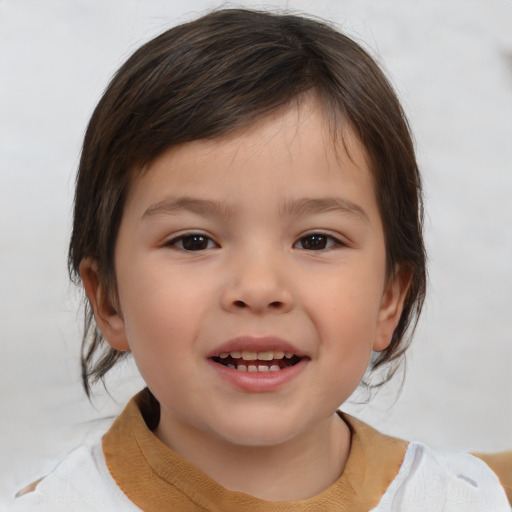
(316, 242)
(193, 243)
(313, 242)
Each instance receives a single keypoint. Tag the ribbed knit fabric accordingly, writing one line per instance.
(133, 471)
(155, 478)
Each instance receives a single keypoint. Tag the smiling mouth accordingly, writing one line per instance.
(267, 361)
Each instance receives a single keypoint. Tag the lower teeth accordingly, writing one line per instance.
(251, 368)
(257, 368)
(254, 369)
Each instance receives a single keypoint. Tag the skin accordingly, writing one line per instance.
(255, 275)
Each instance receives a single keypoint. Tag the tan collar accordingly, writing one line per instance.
(155, 478)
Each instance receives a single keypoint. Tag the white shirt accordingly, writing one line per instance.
(427, 481)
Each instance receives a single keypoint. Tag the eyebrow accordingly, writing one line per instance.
(322, 205)
(302, 206)
(200, 206)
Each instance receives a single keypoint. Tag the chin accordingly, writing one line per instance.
(256, 439)
(256, 433)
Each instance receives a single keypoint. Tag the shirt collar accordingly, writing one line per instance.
(156, 478)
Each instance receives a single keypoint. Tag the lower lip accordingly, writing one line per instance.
(259, 382)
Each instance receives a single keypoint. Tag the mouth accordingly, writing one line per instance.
(257, 362)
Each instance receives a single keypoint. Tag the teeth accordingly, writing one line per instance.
(247, 355)
(266, 356)
(250, 358)
(252, 368)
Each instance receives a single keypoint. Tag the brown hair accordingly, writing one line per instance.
(216, 75)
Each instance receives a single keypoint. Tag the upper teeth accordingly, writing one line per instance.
(247, 355)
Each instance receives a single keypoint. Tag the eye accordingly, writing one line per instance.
(194, 242)
(316, 242)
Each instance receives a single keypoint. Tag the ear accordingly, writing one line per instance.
(391, 308)
(108, 318)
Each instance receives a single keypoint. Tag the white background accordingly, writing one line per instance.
(451, 62)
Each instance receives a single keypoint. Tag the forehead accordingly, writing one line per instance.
(290, 153)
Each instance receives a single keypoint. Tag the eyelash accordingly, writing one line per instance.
(189, 237)
(329, 242)
(321, 240)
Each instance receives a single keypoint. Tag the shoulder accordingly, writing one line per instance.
(501, 464)
(81, 482)
(433, 481)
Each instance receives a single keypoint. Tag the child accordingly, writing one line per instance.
(248, 224)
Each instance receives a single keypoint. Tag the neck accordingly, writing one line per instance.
(296, 469)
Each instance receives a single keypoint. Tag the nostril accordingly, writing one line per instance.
(275, 304)
(240, 304)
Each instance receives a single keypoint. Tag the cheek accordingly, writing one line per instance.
(348, 350)
(162, 310)
(346, 319)
(161, 328)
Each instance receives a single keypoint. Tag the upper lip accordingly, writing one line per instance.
(255, 344)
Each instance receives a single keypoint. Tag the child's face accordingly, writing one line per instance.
(262, 241)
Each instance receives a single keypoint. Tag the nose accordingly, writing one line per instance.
(257, 283)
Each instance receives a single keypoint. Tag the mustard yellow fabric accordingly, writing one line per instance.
(501, 464)
(155, 478)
